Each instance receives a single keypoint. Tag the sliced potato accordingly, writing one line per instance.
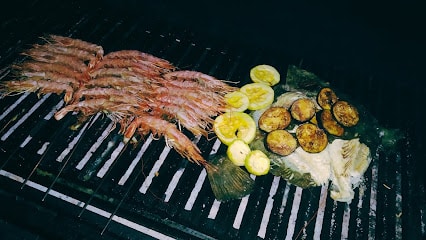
(274, 118)
(345, 113)
(303, 109)
(311, 138)
(281, 142)
(326, 98)
(330, 124)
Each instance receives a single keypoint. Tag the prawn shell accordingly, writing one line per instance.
(141, 92)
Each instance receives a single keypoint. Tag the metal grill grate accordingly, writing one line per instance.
(145, 190)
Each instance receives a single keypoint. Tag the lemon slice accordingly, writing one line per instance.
(234, 125)
(237, 152)
(236, 101)
(265, 74)
(257, 163)
(260, 95)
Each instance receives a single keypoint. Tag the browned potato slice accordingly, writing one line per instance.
(274, 118)
(311, 138)
(345, 113)
(281, 142)
(326, 98)
(330, 124)
(302, 109)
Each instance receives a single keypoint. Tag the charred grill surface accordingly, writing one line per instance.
(86, 183)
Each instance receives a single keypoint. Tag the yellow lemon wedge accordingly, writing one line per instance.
(237, 152)
(265, 74)
(257, 163)
(234, 125)
(236, 101)
(260, 95)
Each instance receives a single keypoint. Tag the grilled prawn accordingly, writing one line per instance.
(40, 86)
(145, 124)
(141, 92)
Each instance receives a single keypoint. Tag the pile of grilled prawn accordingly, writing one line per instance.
(142, 93)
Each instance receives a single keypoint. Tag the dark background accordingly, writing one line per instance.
(382, 43)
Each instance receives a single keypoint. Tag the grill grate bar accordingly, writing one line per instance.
(98, 187)
(25, 117)
(37, 164)
(13, 106)
(176, 177)
(196, 190)
(154, 170)
(373, 199)
(215, 206)
(33, 132)
(278, 208)
(115, 154)
(173, 184)
(262, 230)
(95, 146)
(60, 159)
(240, 212)
(53, 111)
(358, 221)
(345, 222)
(294, 212)
(70, 150)
(119, 204)
(91, 208)
(398, 198)
(76, 140)
(268, 208)
(320, 212)
(244, 201)
(135, 161)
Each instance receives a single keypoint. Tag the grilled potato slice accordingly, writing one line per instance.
(303, 109)
(345, 113)
(274, 118)
(311, 138)
(326, 98)
(330, 125)
(281, 142)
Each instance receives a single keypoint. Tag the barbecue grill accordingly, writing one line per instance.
(58, 183)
